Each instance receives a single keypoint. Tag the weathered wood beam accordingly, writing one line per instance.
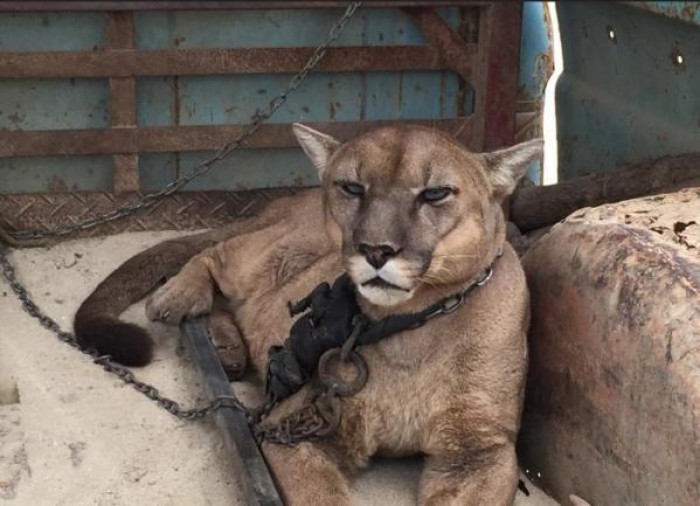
(187, 138)
(169, 62)
(59, 6)
(122, 102)
(538, 206)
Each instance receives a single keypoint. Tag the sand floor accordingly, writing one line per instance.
(71, 434)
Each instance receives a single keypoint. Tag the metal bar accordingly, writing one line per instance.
(122, 107)
(122, 101)
(58, 6)
(499, 37)
(459, 55)
(190, 138)
(135, 63)
(258, 485)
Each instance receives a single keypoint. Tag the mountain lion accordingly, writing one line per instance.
(412, 216)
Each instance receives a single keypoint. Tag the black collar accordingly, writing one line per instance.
(376, 331)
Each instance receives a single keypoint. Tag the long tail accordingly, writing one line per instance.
(97, 323)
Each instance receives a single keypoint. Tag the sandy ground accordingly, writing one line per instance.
(71, 434)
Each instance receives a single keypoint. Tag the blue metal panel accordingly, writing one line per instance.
(235, 99)
(155, 101)
(53, 104)
(52, 31)
(323, 97)
(684, 11)
(535, 69)
(39, 174)
(275, 28)
(205, 100)
(624, 96)
(253, 168)
(534, 52)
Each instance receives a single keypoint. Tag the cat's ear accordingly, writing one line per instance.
(506, 166)
(318, 146)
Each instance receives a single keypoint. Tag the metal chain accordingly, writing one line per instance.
(128, 377)
(31, 308)
(258, 119)
(316, 419)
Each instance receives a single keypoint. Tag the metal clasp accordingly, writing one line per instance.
(335, 384)
(451, 305)
(485, 278)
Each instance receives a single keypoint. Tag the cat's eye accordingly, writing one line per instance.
(352, 189)
(436, 194)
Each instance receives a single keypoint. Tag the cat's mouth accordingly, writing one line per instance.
(378, 282)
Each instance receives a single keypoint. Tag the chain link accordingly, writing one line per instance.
(107, 364)
(316, 419)
(30, 307)
(258, 119)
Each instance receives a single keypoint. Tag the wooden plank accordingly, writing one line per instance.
(251, 468)
(135, 63)
(458, 54)
(58, 6)
(538, 206)
(190, 138)
(122, 100)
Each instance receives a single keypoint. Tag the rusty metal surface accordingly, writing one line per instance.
(499, 54)
(637, 98)
(187, 138)
(458, 54)
(181, 211)
(122, 102)
(195, 109)
(191, 62)
(58, 6)
(611, 408)
(683, 11)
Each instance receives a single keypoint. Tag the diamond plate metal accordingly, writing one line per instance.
(180, 211)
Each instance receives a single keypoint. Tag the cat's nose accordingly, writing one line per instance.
(377, 255)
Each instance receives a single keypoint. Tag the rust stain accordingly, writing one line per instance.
(57, 184)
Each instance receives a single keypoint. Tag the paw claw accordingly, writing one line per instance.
(177, 299)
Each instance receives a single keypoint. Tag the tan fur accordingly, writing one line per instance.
(451, 390)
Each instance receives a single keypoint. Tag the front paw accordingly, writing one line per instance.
(179, 298)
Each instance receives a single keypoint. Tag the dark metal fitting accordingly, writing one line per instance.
(337, 385)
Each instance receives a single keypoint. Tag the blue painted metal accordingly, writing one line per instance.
(207, 100)
(53, 104)
(535, 69)
(624, 95)
(683, 11)
(534, 52)
(53, 31)
(56, 173)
